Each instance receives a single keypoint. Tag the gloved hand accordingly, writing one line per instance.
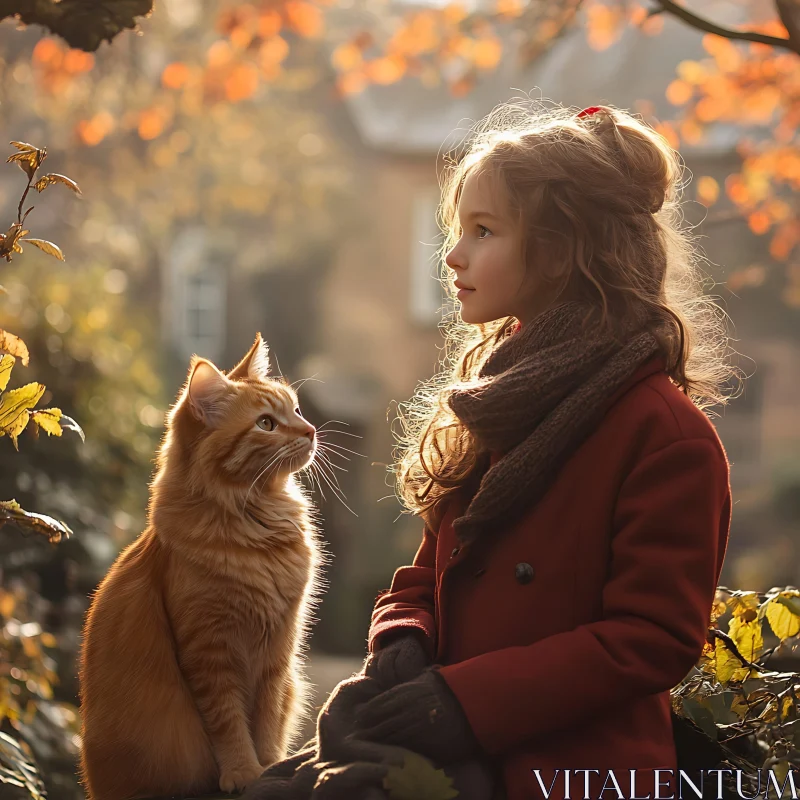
(401, 660)
(422, 715)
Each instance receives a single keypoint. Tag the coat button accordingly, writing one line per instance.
(479, 572)
(456, 551)
(523, 572)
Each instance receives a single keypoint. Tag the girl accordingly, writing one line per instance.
(575, 496)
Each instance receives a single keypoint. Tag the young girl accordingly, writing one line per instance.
(575, 496)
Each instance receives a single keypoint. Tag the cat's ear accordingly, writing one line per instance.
(255, 364)
(207, 390)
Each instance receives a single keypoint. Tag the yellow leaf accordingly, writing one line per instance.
(783, 621)
(30, 647)
(54, 177)
(747, 637)
(726, 662)
(15, 346)
(418, 779)
(24, 146)
(740, 602)
(48, 420)
(6, 365)
(48, 247)
(14, 405)
(48, 640)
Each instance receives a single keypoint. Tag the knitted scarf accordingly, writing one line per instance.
(539, 395)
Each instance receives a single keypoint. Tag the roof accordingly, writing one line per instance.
(408, 118)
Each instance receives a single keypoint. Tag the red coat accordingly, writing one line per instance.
(562, 636)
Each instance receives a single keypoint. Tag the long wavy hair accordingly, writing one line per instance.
(598, 200)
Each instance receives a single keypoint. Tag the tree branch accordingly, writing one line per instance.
(710, 27)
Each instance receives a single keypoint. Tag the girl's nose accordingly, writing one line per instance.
(453, 259)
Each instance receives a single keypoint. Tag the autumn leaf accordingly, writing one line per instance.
(69, 424)
(54, 177)
(707, 190)
(783, 614)
(11, 512)
(6, 365)
(15, 346)
(48, 420)
(29, 160)
(48, 247)
(14, 405)
(418, 779)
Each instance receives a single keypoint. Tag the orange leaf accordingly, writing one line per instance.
(175, 75)
(486, 53)
(269, 23)
(48, 51)
(303, 18)
(242, 83)
(736, 190)
(151, 123)
(76, 61)
(386, 70)
(707, 190)
(759, 222)
(346, 56)
(679, 92)
(351, 82)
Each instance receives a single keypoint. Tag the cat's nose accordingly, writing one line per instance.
(311, 432)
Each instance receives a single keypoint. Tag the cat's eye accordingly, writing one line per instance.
(266, 422)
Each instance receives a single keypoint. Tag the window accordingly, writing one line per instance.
(196, 301)
(425, 292)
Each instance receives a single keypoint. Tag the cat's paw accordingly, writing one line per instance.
(239, 777)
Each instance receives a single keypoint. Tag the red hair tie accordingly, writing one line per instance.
(587, 112)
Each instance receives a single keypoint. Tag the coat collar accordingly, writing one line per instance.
(645, 370)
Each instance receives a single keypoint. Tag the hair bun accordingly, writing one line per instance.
(642, 157)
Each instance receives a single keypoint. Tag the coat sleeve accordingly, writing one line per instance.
(409, 602)
(671, 524)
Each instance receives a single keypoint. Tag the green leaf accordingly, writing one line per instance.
(418, 779)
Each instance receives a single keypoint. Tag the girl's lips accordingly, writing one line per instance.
(462, 293)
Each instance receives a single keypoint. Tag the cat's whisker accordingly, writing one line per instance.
(333, 420)
(329, 461)
(344, 433)
(324, 465)
(342, 447)
(323, 447)
(319, 483)
(275, 458)
(335, 490)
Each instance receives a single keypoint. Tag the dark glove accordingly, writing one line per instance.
(422, 715)
(401, 660)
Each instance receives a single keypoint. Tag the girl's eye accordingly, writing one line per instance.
(266, 423)
(481, 229)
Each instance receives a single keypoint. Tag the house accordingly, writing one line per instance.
(378, 306)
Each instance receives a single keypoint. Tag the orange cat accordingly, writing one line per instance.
(191, 648)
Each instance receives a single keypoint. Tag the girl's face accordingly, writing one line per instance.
(488, 257)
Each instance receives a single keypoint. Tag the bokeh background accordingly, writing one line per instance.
(273, 166)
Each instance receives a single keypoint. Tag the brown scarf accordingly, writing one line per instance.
(543, 394)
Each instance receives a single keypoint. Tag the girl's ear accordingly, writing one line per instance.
(206, 392)
(255, 364)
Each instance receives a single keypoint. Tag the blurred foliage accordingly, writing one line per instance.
(82, 24)
(752, 711)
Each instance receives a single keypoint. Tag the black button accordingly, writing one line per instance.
(479, 572)
(456, 551)
(523, 572)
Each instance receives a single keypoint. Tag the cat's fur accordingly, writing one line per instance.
(190, 669)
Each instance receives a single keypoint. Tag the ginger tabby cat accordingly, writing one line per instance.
(189, 668)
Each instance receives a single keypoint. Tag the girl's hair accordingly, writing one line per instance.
(597, 198)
